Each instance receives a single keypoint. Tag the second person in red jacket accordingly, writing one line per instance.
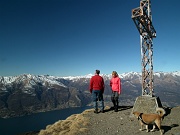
(115, 84)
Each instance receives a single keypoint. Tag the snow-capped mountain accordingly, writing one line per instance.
(124, 75)
(31, 79)
(55, 79)
(25, 94)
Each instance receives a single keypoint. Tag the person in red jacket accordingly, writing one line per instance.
(115, 84)
(96, 88)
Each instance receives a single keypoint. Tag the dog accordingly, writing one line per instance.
(154, 119)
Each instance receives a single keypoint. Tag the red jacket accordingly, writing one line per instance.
(96, 83)
(115, 84)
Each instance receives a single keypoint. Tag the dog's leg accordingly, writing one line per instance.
(141, 129)
(158, 123)
(147, 130)
(161, 131)
(154, 126)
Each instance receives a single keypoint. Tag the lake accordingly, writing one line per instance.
(35, 122)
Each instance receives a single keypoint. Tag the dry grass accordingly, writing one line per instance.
(73, 125)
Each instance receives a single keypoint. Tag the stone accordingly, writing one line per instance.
(146, 104)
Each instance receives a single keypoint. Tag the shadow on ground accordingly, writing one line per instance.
(167, 128)
(120, 108)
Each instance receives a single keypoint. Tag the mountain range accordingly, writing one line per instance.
(26, 94)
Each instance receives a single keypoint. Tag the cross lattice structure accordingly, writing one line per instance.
(143, 20)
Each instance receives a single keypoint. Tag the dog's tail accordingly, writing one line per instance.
(160, 111)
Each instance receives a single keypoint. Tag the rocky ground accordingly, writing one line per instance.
(118, 123)
(110, 123)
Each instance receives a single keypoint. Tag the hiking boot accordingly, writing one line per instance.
(116, 109)
(102, 111)
(96, 111)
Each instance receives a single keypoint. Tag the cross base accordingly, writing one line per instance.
(146, 104)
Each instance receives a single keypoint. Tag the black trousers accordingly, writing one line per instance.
(115, 99)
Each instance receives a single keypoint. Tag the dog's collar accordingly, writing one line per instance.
(140, 118)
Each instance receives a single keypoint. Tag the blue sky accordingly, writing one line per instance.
(75, 37)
